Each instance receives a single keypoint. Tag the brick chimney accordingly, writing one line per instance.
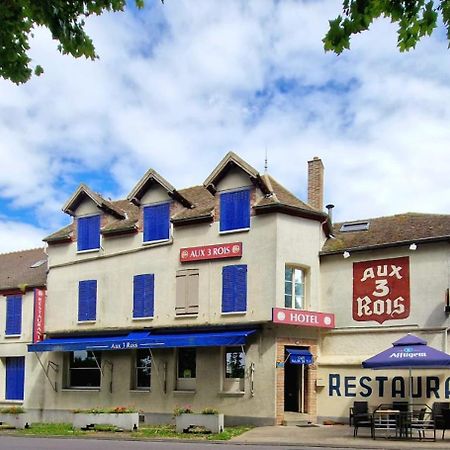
(315, 183)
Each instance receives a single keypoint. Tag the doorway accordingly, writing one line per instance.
(295, 386)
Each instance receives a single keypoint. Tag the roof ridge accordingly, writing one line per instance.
(409, 213)
(23, 251)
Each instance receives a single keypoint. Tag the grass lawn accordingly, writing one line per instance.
(144, 432)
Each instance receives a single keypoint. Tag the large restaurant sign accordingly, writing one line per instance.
(381, 290)
(303, 318)
(39, 314)
(215, 251)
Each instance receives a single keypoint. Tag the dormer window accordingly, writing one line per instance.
(157, 222)
(235, 210)
(88, 233)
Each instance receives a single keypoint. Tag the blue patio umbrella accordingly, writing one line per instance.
(409, 352)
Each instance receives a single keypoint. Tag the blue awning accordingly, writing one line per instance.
(299, 356)
(142, 339)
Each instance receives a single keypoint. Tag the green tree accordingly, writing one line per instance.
(64, 18)
(414, 18)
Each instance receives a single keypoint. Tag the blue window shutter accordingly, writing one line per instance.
(149, 295)
(156, 222)
(138, 296)
(13, 314)
(143, 296)
(234, 288)
(235, 210)
(88, 233)
(15, 378)
(241, 288)
(87, 300)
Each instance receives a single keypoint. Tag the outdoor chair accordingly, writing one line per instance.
(423, 422)
(437, 413)
(358, 407)
(359, 415)
(445, 421)
(400, 406)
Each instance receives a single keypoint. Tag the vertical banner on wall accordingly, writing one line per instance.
(39, 314)
(381, 290)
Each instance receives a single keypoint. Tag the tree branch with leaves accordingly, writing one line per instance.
(415, 19)
(64, 19)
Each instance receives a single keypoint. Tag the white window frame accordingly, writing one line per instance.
(232, 385)
(185, 383)
(305, 272)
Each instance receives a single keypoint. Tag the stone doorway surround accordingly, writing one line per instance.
(311, 398)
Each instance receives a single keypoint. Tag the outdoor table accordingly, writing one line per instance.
(385, 419)
(403, 423)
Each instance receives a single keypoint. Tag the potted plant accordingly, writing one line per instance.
(210, 419)
(15, 416)
(120, 416)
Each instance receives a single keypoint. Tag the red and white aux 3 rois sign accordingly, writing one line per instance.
(381, 290)
(39, 314)
(303, 318)
(215, 251)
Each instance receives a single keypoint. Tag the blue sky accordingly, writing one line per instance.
(179, 85)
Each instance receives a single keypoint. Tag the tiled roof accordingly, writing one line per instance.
(16, 271)
(84, 191)
(390, 230)
(281, 196)
(197, 202)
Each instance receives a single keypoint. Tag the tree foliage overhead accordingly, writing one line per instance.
(64, 18)
(415, 19)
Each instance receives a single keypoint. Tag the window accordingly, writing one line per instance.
(84, 369)
(355, 226)
(157, 222)
(143, 295)
(87, 300)
(235, 210)
(294, 288)
(234, 288)
(88, 233)
(187, 292)
(13, 315)
(142, 370)
(186, 368)
(234, 364)
(15, 378)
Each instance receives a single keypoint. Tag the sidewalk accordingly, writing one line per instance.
(332, 436)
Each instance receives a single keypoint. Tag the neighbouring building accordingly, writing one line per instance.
(22, 287)
(237, 295)
(382, 278)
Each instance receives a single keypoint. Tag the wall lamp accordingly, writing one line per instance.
(413, 246)
(346, 255)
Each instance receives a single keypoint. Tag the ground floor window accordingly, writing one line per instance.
(186, 368)
(84, 369)
(234, 364)
(15, 378)
(142, 370)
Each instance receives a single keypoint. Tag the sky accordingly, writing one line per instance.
(179, 85)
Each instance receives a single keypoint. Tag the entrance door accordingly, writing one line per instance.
(291, 386)
(295, 386)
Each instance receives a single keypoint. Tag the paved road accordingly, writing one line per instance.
(20, 443)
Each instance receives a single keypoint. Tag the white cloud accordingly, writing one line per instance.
(177, 86)
(19, 236)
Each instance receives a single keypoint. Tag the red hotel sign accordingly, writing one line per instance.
(216, 251)
(39, 314)
(381, 290)
(303, 318)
